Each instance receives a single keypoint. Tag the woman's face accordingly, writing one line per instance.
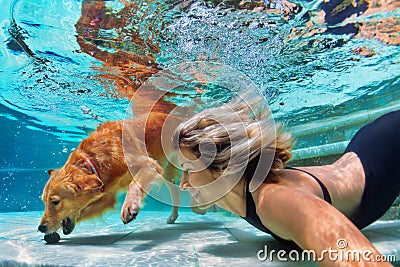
(196, 176)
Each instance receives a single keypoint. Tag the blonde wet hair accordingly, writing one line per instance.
(231, 137)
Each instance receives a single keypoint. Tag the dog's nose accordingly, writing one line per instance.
(42, 228)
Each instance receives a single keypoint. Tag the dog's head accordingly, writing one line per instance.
(69, 193)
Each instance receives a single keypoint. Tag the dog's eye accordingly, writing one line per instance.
(55, 202)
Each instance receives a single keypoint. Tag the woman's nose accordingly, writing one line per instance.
(184, 184)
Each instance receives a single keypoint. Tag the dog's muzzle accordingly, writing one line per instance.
(67, 226)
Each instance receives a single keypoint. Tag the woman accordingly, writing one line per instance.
(314, 207)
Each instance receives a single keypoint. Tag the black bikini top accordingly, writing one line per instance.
(327, 196)
(252, 216)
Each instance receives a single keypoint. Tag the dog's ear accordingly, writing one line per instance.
(50, 172)
(89, 182)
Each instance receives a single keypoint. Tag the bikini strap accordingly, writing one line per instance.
(327, 196)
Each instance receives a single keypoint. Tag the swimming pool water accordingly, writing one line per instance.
(66, 66)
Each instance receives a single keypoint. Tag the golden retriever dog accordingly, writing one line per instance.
(114, 158)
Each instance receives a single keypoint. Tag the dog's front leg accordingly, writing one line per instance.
(132, 203)
(147, 176)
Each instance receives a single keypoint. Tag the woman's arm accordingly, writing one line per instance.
(315, 225)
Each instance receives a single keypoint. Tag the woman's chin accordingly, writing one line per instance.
(206, 207)
(198, 201)
(203, 205)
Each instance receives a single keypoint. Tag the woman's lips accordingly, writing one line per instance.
(194, 193)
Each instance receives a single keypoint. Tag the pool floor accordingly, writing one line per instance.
(214, 239)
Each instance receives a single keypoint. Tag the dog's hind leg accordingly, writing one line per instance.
(175, 196)
(171, 172)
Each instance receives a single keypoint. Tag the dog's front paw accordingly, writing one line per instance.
(128, 213)
(132, 203)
